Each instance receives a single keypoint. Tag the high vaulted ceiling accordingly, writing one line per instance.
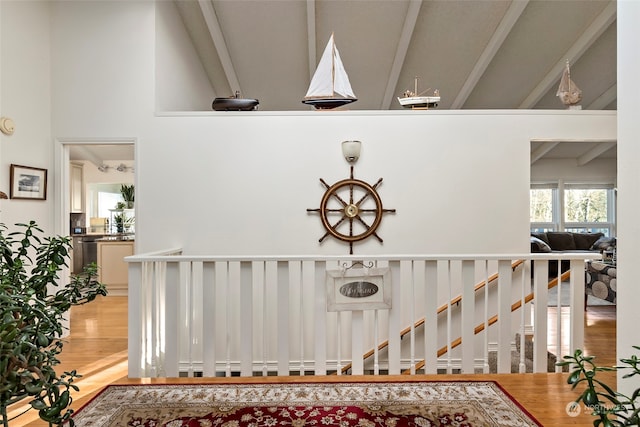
(480, 54)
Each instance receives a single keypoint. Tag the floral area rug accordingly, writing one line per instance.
(373, 404)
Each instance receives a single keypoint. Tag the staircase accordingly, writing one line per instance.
(493, 280)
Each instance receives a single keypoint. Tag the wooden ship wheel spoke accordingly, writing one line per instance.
(357, 220)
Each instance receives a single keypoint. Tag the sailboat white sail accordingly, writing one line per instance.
(330, 86)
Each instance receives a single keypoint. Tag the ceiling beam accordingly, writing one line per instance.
(84, 153)
(401, 52)
(539, 152)
(590, 35)
(596, 151)
(211, 19)
(311, 36)
(605, 99)
(499, 35)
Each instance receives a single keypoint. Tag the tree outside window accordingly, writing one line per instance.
(577, 209)
(541, 205)
(585, 205)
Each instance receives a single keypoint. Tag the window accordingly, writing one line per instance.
(107, 201)
(542, 209)
(541, 206)
(585, 208)
(589, 210)
(103, 197)
(585, 205)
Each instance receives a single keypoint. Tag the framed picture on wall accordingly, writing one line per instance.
(28, 183)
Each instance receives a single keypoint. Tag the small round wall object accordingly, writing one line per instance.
(7, 126)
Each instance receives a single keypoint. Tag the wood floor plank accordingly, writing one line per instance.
(97, 349)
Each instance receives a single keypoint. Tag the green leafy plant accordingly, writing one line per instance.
(32, 310)
(118, 220)
(123, 222)
(128, 194)
(610, 407)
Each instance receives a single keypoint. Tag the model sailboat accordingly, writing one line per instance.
(330, 87)
(235, 103)
(414, 99)
(568, 92)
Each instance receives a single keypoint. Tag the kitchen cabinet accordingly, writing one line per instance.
(113, 271)
(77, 188)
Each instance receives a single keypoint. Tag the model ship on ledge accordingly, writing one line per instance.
(415, 100)
(570, 94)
(235, 103)
(330, 87)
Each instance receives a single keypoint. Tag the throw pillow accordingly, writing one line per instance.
(541, 236)
(604, 243)
(537, 245)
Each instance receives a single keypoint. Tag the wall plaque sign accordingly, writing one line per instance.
(358, 289)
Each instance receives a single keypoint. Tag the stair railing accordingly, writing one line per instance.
(444, 307)
(251, 315)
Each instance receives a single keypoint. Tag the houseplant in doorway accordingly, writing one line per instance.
(32, 312)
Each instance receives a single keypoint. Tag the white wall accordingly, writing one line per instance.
(25, 91)
(181, 81)
(628, 184)
(103, 70)
(242, 183)
(234, 183)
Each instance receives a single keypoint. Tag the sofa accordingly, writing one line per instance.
(564, 241)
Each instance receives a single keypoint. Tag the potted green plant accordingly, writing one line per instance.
(610, 407)
(118, 220)
(128, 195)
(32, 311)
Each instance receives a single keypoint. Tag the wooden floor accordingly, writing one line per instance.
(97, 348)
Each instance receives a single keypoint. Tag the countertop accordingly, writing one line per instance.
(112, 238)
(101, 237)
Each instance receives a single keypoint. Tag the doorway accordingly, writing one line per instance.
(98, 151)
(113, 155)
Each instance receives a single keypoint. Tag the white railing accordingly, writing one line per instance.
(223, 316)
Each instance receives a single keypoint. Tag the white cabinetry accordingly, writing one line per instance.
(113, 271)
(77, 188)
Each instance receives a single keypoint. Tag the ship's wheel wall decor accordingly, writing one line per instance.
(351, 210)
